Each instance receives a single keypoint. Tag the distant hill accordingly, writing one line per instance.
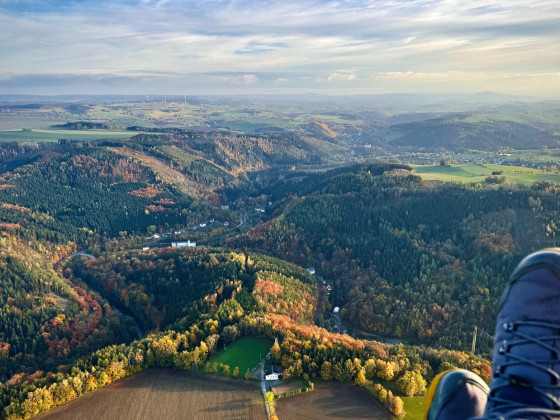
(458, 133)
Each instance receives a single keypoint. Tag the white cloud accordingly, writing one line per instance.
(346, 76)
(313, 39)
(247, 79)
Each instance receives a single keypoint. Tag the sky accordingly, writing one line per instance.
(342, 47)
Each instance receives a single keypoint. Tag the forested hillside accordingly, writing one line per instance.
(214, 297)
(94, 190)
(45, 321)
(473, 132)
(173, 288)
(420, 262)
(412, 260)
(242, 152)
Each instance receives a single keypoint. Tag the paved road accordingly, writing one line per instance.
(84, 253)
(263, 387)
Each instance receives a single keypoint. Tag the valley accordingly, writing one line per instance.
(140, 239)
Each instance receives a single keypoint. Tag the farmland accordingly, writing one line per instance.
(246, 353)
(166, 394)
(45, 135)
(470, 173)
(332, 400)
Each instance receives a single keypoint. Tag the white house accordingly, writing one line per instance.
(336, 310)
(183, 244)
(145, 248)
(311, 270)
(224, 207)
(273, 373)
(202, 225)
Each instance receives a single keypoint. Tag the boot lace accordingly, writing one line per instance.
(550, 409)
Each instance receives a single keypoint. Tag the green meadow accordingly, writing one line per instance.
(246, 353)
(472, 173)
(414, 407)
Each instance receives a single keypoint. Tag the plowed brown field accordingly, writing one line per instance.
(167, 395)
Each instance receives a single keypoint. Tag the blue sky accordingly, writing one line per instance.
(288, 46)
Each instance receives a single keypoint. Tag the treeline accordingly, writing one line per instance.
(39, 392)
(302, 352)
(85, 125)
(410, 260)
(312, 352)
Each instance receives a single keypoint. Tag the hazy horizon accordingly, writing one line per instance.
(228, 47)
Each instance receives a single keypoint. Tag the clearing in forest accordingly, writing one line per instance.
(246, 353)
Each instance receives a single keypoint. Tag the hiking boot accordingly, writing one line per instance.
(456, 395)
(526, 372)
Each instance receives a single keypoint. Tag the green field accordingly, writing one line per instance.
(477, 173)
(246, 353)
(414, 407)
(36, 135)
